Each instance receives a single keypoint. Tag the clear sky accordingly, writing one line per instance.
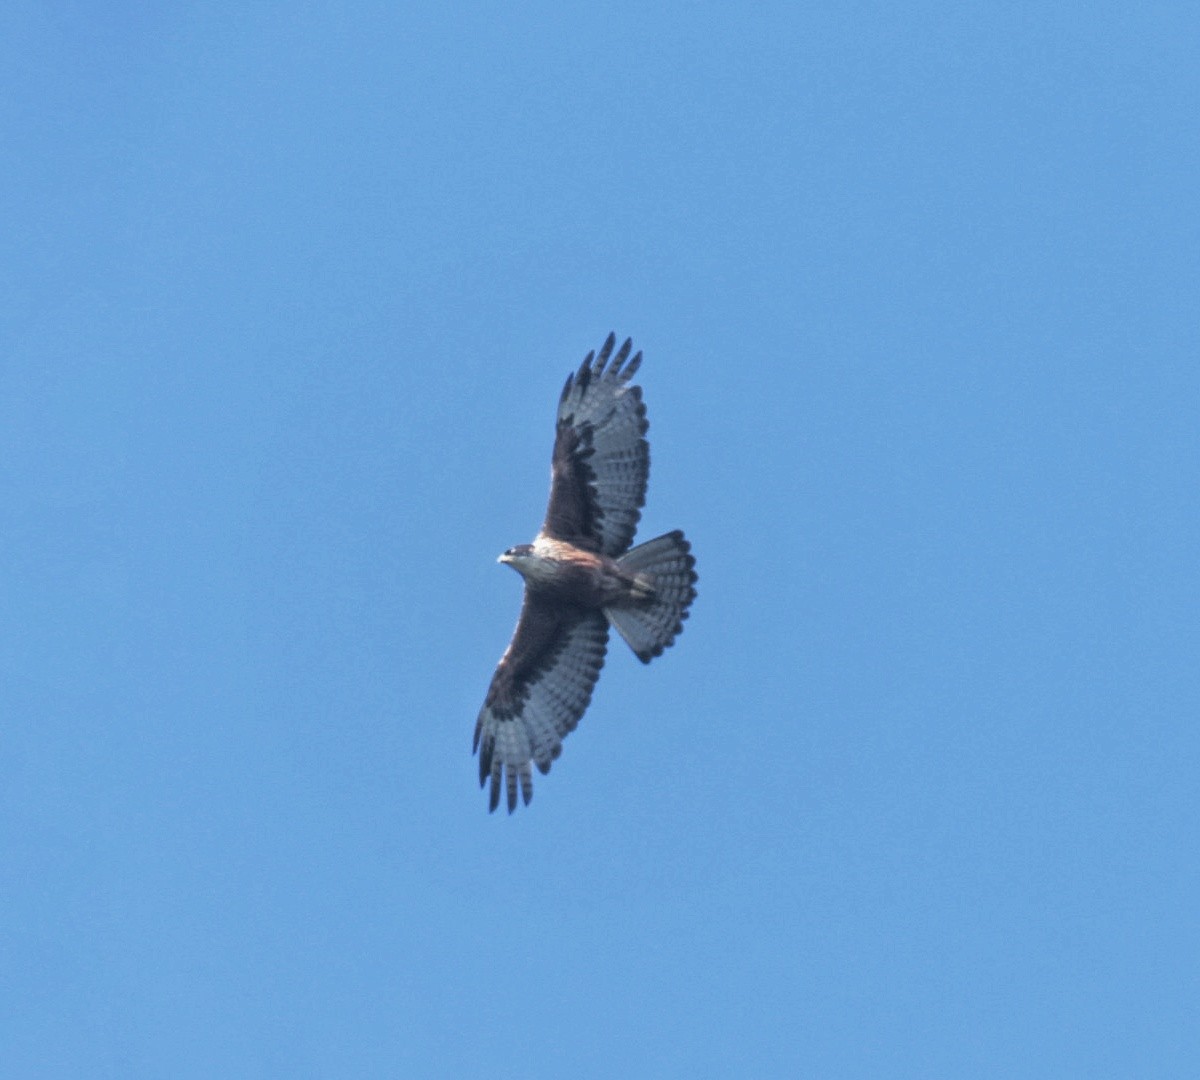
(287, 295)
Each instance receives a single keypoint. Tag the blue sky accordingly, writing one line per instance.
(289, 295)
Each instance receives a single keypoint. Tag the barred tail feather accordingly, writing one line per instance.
(664, 573)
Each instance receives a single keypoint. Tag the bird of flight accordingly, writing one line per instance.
(581, 575)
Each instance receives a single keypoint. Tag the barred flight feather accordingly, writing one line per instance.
(669, 569)
(525, 723)
(606, 420)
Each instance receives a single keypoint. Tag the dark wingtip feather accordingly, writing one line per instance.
(595, 364)
(583, 377)
(485, 757)
(620, 359)
(605, 352)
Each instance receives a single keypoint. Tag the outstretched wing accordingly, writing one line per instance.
(601, 458)
(540, 690)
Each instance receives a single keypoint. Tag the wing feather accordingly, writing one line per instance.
(541, 688)
(601, 460)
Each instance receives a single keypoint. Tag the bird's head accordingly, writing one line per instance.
(517, 557)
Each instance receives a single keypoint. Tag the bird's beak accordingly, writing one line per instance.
(504, 557)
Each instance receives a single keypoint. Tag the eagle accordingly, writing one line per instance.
(581, 576)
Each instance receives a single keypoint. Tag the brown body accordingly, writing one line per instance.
(563, 572)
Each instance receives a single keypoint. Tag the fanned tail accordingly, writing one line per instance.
(664, 574)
